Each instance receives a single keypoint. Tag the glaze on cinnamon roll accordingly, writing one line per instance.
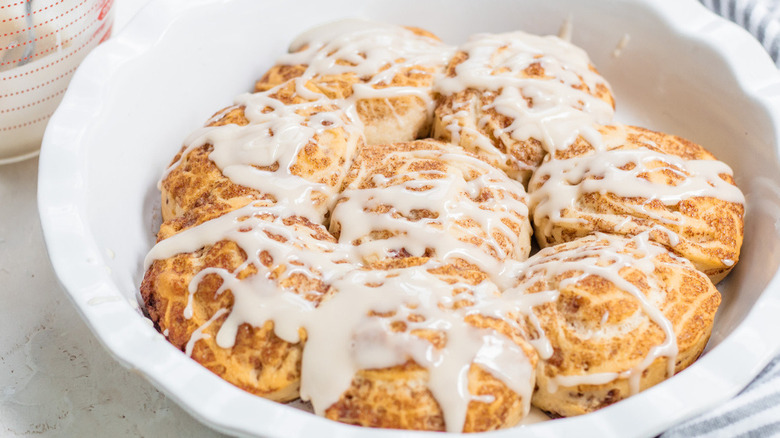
(511, 98)
(427, 351)
(631, 180)
(383, 73)
(610, 316)
(274, 145)
(226, 290)
(432, 199)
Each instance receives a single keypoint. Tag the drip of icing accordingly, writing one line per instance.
(451, 198)
(276, 134)
(332, 356)
(554, 111)
(374, 52)
(604, 260)
(198, 333)
(619, 171)
(587, 379)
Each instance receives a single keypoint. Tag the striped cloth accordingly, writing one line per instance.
(755, 412)
(760, 17)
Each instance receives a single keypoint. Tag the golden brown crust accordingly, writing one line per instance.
(398, 397)
(397, 117)
(597, 326)
(259, 362)
(707, 231)
(473, 112)
(434, 161)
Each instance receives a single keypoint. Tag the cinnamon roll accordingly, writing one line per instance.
(383, 73)
(226, 290)
(427, 351)
(630, 180)
(610, 316)
(431, 199)
(511, 98)
(274, 145)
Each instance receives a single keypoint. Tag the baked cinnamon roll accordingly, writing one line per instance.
(511, 98)
(227, 290)
(630, 180)
(383, 73)
(610, 316)
(427, 351)
(431, 199)
(275, 145)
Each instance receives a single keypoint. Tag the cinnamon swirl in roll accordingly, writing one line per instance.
(226, 290)
(432, 199)
(611, 316)
(511, 98)
(383, 72)
(275, 145)
(630, 180)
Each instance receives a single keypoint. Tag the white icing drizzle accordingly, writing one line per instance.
(375, 52)
(198, 333)
(586, 379)
(276, 134)
(557, 112)
(524, 304)
(333, 352)
(605, 257)
(451, 196)
(251, 228)
(342, 339)
(255, 228)
(619, 171)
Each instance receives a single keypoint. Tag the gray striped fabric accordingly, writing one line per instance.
(760, 17)
(755, 412)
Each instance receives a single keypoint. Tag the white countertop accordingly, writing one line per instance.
(55, 377)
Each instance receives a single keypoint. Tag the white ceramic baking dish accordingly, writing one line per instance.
(673, 66)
